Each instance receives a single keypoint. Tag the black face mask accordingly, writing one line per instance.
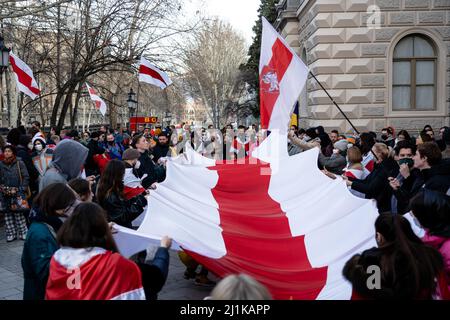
(111, 143)
(384, 136)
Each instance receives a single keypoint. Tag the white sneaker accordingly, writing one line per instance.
(10, 238)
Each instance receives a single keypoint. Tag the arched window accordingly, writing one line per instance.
(414, 74)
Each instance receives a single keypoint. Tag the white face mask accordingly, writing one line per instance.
(39, 147)
(137, 165)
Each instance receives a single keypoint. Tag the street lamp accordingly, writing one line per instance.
(132, 105)
(4, 56)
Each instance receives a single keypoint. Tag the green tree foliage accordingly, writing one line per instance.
(251, 68)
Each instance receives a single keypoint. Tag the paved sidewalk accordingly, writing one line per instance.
(11, 280)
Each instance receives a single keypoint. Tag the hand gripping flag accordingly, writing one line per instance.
(99, 103)
(150, 74)
(282, 76)
(24, 77)
(279, 219)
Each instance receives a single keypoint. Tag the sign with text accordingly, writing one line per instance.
(136, 121)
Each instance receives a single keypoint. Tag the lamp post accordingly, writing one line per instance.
(132, 104)
(4, 62)
(4, 56)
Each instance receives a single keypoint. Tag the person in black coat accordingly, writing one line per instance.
(430, 171)
(24, 153)
(147, 167)
(162, 148)
(376, 184)
(94, 149)
(110, 196)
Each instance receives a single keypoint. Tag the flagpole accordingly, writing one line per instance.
(337, 106)
(334, 102)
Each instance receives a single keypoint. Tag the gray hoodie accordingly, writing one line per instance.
(68, 160)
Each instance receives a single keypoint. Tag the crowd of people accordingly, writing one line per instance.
(63, 191)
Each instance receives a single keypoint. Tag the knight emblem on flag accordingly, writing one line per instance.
(269, 80)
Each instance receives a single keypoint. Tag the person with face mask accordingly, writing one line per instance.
(430, 171)
(41, 156)
(387, 136)
(114, 149)
(132, 184)
(404, 152)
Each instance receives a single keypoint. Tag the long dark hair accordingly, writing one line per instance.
(55, 196)
(367, 142)
(87, 227)
(432, 209)
(111, 180)
(405, 254)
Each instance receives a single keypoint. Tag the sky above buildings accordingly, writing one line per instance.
(241, 14)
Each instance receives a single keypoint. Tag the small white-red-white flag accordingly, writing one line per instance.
(282, 76)
(99, 103)
(150, 74)
(24, 77)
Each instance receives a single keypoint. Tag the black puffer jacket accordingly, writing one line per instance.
(437, 178)
(122, 211)
(376, 185)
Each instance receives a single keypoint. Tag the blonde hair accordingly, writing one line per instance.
(240, 287)
(381, 150)
(354, 155)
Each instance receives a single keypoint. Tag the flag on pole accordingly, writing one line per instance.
(282, 76)
(150, 74)
(24, 77)
(99, 103)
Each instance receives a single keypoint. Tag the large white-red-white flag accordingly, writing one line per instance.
(24, 77)
(271, 218)
(99, 103)
(150, 74)
(282, 76)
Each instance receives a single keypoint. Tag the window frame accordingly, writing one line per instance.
(413, 63)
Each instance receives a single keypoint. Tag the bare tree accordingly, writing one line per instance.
(211, 62)
(11, 9)
(70, 42)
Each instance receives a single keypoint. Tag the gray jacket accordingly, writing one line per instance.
(68, 160)
(9, 174)
(335, 164)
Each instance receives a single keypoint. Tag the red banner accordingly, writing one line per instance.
(136, 121)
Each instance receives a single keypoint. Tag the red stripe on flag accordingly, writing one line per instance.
(152, 73)
(281, 59)
(258, 238)
(23, 77)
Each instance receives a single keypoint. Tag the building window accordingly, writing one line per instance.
(414, 74)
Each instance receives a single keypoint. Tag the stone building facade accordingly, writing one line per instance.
(385, 62)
